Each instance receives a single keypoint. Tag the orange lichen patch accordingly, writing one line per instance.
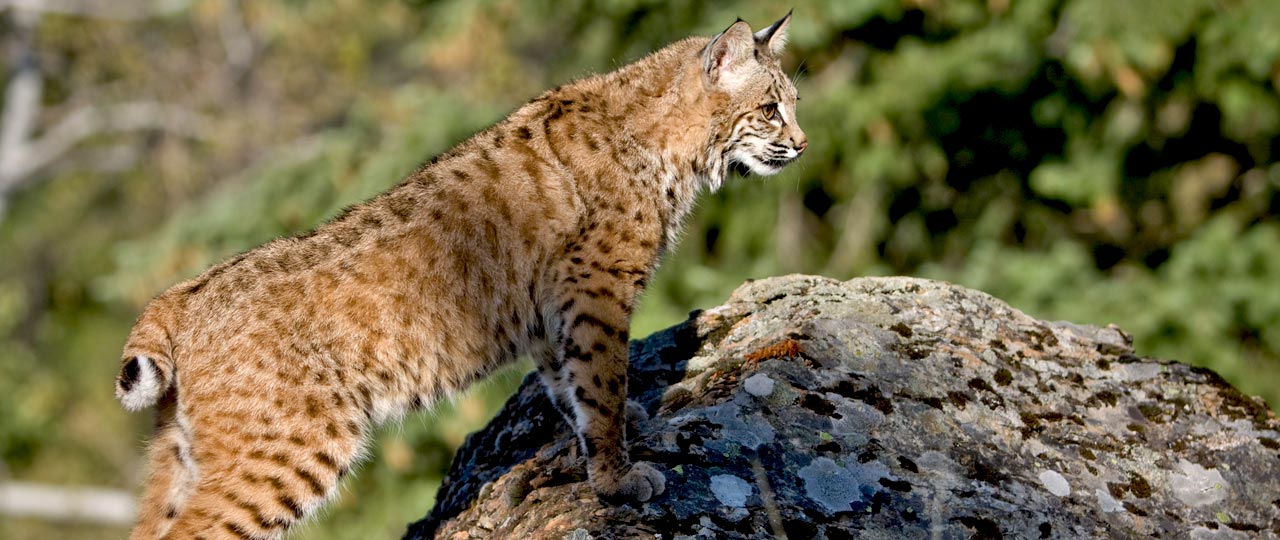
(787, 348)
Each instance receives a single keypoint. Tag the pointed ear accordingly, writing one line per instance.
(774, 38)
(724, 56)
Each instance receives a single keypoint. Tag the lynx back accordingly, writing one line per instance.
(534, 237)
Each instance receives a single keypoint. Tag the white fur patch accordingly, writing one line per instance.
(385, 410)
(146, 388)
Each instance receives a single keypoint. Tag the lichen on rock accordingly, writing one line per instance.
(730, 490)
(887, 408)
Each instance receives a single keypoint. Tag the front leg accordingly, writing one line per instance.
(595, 310)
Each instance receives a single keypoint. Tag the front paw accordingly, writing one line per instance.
(641, 483)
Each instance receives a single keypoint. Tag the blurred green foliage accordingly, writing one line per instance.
(1097, 161)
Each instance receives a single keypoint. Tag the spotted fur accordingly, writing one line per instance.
(533, 237)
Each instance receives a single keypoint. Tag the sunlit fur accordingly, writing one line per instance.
(534, 237)
(764, 135)
(766, 138)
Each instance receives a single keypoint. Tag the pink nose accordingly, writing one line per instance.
(800, 146)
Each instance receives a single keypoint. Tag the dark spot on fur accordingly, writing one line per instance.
(257, 514)
(574, 352)
(605, 328)
(314, 483)
(581, 394)
(400, 207)
(329, 461)
(237, 530)
(290, 504)
(346, 236)
(556, 112)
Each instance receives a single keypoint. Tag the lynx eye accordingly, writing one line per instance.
(769, 110)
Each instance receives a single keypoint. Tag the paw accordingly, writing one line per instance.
(636, 412)
(641, 483)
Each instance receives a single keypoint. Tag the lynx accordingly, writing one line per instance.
(534, 237)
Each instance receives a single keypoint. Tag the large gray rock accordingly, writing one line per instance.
(887, 408)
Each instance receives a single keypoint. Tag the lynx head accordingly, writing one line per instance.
(760, 131)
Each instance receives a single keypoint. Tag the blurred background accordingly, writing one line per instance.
(1091, 160)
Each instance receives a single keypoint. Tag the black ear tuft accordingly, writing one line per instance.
(774, 38)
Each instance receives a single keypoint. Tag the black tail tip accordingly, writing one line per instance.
(129, 374)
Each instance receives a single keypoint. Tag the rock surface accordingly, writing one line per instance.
(887, 408)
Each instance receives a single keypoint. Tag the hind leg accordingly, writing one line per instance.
(236, 501)
(549, 372)
(168, 480)
(258, 480)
